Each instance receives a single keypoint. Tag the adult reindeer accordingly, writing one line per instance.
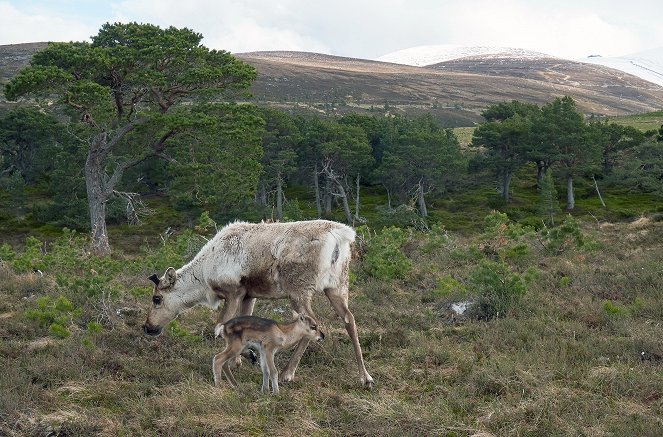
(245, 261)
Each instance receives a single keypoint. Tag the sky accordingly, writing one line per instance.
(355, 28)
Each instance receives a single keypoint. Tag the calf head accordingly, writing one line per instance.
(165, 306)
(309, 328)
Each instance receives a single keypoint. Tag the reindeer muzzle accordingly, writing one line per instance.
(151, 330)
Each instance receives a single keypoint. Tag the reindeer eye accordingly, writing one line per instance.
(156, 300)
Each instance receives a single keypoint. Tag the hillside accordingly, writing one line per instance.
(13, 57)
(454, 91)
(459, 88)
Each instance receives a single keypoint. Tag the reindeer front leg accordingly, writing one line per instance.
(303, 306)
(231, 306)
(288, 373)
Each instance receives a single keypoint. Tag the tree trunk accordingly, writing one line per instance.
(279, 197)
(421, 202)
(357, 200)
(570, 199)
(506, 184)
(344, 198)
(596, 185)
(540, 167)
(262, 195)
(318, 205)
(328, 197)
(97, 196)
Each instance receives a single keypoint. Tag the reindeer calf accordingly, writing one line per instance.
(265, 334)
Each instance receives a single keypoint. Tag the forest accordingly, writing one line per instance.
(122, 156)
(103, 127)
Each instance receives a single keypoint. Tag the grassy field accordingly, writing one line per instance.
(644, 122)
(580, 354)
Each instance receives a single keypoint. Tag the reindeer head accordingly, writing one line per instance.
(164, 306)
(308, 327)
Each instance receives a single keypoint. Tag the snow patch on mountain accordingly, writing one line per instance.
(432, 54)
(647, 65)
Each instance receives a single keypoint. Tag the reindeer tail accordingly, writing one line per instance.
(218, 329)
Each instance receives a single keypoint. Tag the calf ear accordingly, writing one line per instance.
(155, 279)
(170, 276)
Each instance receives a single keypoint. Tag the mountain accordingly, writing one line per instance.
(422, 56)
(647, 65)
(13, 57)
(454, 89)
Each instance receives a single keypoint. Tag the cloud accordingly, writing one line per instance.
(367, 29)
(236, 26)
(41, 25)
(563, 31)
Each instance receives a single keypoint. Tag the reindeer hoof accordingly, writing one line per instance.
(368, 383)
(287, 377)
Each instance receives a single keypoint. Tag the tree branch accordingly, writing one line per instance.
(156, 150)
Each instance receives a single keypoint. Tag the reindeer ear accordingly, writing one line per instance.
(169, 277)
(155, 279)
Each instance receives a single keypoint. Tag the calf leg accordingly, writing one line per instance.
(220, 364)
(273, 373)
(265, 371)
(339, 300)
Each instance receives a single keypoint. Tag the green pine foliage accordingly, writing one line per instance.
(548, 203)
(384, 258)
(497, 289)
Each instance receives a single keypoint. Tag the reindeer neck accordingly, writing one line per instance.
(288, 329)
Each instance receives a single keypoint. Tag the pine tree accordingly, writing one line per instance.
(548, 204)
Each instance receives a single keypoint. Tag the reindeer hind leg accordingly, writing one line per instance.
(338, 297)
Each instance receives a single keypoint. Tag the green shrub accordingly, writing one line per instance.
(6, 253)
(448, 284)
(177, 331)
(436, 238)
(55, 314)
(384, 258)
(566, 236)
(497, 289)
(402, 216)
(613, 310)
(504, 239)
(292, 211)
(31, 258)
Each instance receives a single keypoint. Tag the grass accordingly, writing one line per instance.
(580, 355)
(644, 122)
(464, 135)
